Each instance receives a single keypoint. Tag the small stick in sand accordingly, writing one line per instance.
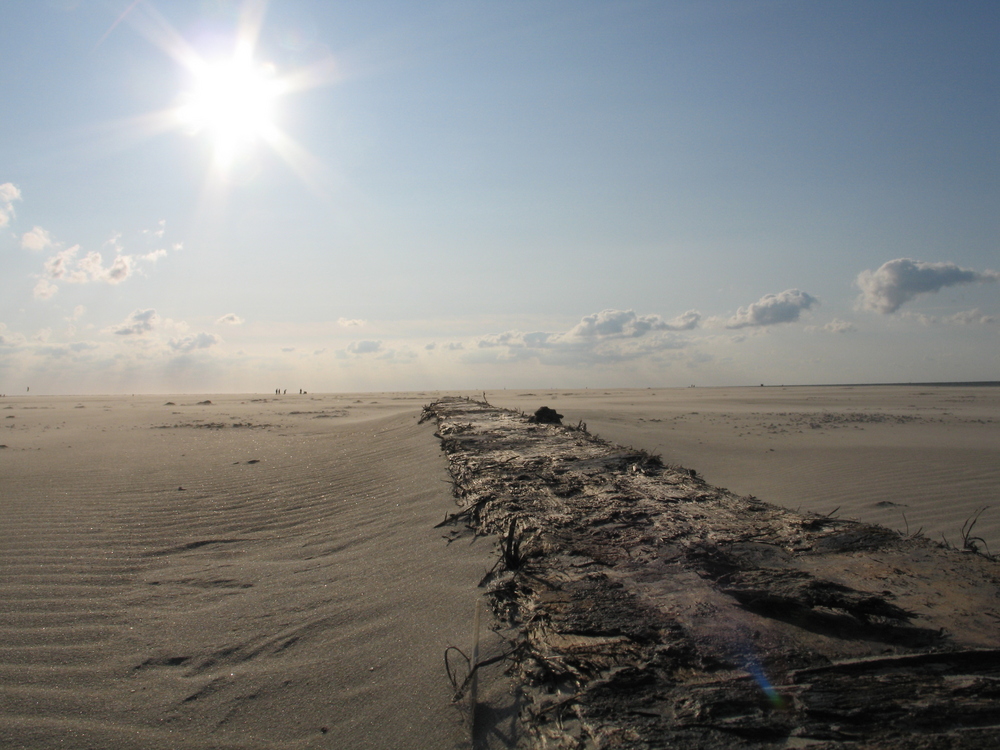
(474, 684)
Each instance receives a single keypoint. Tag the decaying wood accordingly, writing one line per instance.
(653, 610)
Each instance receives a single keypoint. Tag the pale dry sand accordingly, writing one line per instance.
(264, 572)
(254, 573)
(906, 457)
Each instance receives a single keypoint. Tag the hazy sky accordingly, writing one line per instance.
(220, 196)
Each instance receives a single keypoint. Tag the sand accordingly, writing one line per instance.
(265, 571)
(253, 573)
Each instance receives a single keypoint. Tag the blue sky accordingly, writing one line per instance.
(447, 195)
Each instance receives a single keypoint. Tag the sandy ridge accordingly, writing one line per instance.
(654, 610)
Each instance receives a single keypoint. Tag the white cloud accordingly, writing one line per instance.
(8, 194)
(43, 335)
(155, 255)
(88, 268)
(57, 266)
(137, 323)
(839, 326)
(231, 319)
(835, 326)
(898, 281)
(971, 317)
(350, 322)
(120, 270)
(44, 289)
(364, 347)
(10, 339)
(964, 318)
(197, 341)
(627, 324)
(606, 337)
(36, 239)
(771, 309)
(78, 312)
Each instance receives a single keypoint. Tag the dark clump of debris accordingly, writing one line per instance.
(648, 609)
(545, 415)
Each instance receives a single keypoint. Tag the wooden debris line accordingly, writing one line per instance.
(652, 610)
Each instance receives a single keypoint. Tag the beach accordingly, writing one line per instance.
(250, 572)
(265, 571)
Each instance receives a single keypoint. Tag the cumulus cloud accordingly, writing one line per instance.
(898, 281)
(964, 318)
(65, 266)
(137, 323)
(605, 337)
(364, 347)
(44, 289)
(839, 326)
(36, 239)
(58, 265)
(197, 341)
(78, 312)
(771, 309)
(119, 270)
(8, 194)
(231, 319)
(834, 326)
(9, 339)
(971, 317)
(627, 324)
(350, 322)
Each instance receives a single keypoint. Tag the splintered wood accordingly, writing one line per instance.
(652, 610)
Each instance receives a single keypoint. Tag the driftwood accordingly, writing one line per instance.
(652, 610)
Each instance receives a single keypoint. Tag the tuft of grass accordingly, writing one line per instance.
(970, 542)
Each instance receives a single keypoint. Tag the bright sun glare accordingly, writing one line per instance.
(233, 102)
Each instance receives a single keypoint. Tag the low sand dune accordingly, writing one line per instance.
(242, 573)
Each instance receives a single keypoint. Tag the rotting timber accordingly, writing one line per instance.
(652, 610)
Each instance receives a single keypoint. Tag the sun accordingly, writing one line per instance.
(233, 102)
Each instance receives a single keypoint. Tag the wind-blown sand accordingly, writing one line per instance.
(248, 573)
(262, 572)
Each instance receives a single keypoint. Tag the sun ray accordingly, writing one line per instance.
(231, 99)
